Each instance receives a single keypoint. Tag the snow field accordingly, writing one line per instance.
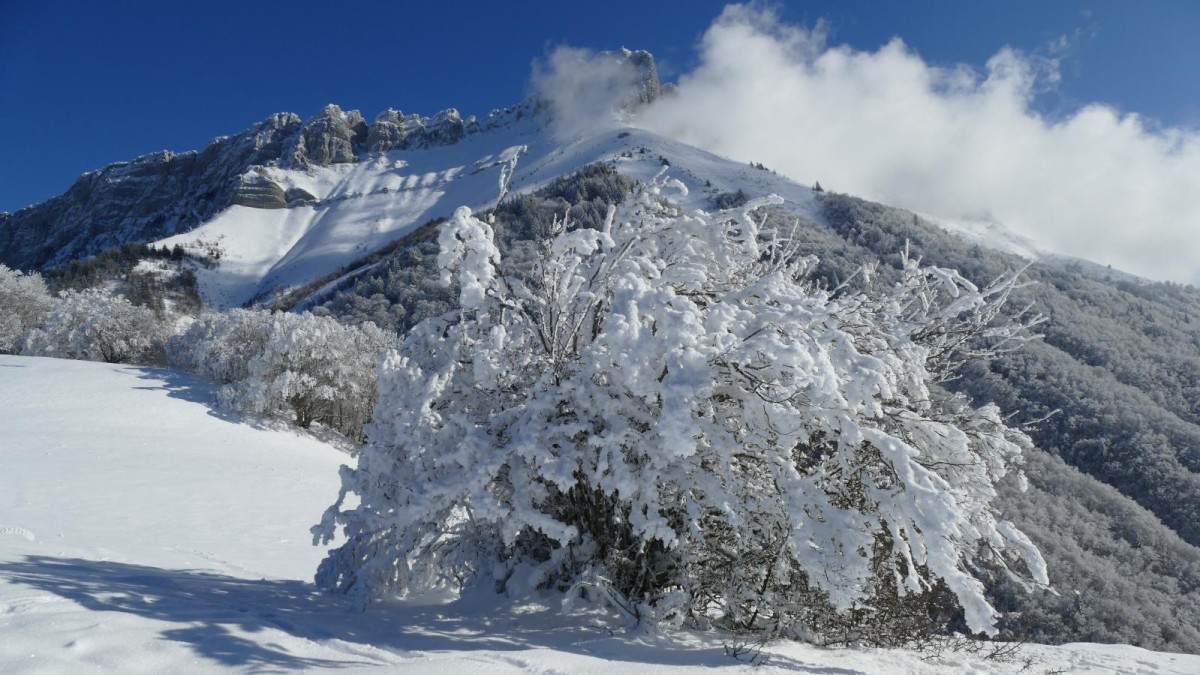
(140, 531)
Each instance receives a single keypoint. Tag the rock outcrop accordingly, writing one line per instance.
(332, 137)
(153, 196)
(393, 130)
(648, 87)
(387, 132)
(256, 190)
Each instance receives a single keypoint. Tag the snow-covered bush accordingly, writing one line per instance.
(24, 303)
(222, 345)
(666, 415)
(93, 325)
(309, 368)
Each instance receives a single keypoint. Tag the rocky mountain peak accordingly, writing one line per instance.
(165, 193)
(330, 137)
(649, 88)
(393, 130)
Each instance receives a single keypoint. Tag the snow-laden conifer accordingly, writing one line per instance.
(664, 413)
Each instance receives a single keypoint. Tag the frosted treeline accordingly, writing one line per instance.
(24, 303)
(93, 325)
(299, 367)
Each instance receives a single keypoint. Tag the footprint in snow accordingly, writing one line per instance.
(17, 531)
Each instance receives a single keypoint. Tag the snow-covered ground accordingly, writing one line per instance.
(142, 531)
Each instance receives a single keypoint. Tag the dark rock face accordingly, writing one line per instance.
(151, 197)
(332, 137)
(298, 197)
(387, 132)
(446, 128)
(649, 88)
(393, 130)
(258, 191)
(642, 73)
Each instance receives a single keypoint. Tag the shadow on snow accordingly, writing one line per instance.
(206, 611)
(199, 390)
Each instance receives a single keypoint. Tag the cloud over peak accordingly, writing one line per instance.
(952, 141)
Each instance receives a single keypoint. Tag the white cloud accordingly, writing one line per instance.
(584, 89)
(955, 142)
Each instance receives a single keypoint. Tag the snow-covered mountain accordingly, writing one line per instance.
(286, 201)
(303, 193)
(358, 207)
(164, 193)
(290, 200)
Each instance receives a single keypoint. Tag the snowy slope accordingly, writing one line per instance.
(988, 234)
(360, 207)
(142, 532)
(120, 488)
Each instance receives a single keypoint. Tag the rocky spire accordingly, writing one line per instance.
(331, 137)
(649, 89)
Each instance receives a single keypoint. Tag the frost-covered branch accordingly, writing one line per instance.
(665, 404)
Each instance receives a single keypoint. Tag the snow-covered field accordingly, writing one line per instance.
(142, 531)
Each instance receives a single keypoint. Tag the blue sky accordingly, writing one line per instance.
(83, 84)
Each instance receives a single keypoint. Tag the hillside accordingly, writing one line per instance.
(360, 207)
(140, 531)
(1133, 375)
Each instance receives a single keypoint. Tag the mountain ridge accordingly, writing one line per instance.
(163, 193)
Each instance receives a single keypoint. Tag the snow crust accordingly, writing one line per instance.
(142, 532)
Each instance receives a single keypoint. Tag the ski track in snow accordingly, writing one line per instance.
(144, 532)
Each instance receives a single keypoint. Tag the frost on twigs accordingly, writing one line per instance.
(94, 326)
(24, 304)
(306, 368)
(665, 416)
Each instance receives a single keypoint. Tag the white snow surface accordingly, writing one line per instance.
(141, 531)
(364, 205)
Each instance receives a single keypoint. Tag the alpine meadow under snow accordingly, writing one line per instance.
(550, 392)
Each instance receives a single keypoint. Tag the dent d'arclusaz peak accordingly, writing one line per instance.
(166, 193)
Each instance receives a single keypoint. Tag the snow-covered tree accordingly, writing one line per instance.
(306, 367)
(665, 414)
(222, 345)
(24, 303)
(93, 325)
